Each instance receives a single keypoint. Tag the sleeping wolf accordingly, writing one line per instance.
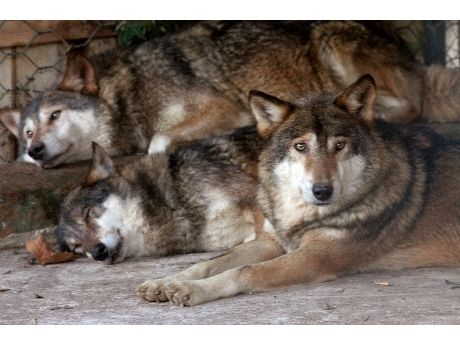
(194, 84)
(341, 192)
(199, 198)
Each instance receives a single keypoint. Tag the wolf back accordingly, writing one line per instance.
(199, 198)
(194, 84)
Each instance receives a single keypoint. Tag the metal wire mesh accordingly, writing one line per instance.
(434, 41)
(32, 59)
(32, 54)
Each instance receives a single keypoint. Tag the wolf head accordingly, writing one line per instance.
(108, 216)
(318, 150)
(81, 213)
(58, 126)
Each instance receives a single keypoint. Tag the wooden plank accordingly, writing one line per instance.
(17, 33)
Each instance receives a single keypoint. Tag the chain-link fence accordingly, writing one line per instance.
(32, 53)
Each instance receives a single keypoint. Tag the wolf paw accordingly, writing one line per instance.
(180, 293)
(153, 290)
(185, 293)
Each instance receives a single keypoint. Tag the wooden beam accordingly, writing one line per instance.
(18, 33)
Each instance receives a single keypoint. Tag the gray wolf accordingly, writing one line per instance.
(341, 192)
(199, 198)
(194, 84)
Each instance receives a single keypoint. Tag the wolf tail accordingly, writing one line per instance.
(441, 96)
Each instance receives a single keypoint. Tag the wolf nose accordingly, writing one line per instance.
(100, 252)
(36, 151)
(322, 191)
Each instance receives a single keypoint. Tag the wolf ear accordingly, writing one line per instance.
(79, 75)
(269, 111)
(359, 98)
(10, 118)
(102, 166)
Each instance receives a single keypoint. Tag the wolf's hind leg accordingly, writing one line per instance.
(443, 253)
(214, 116)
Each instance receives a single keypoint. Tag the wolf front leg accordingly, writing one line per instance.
(319, 261)
(263, 248)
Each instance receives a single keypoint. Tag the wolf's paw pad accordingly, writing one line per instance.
(153, 290)
(184, 293)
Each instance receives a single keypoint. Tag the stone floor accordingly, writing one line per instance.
(87, 292)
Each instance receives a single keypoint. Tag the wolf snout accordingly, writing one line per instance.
(36, 151)
(322, 191)
(100, 252)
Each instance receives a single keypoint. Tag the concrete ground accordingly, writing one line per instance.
(88, 292)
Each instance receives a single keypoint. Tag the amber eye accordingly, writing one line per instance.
(29, 134)
(301, 147)
(339, 146)
(55, 115)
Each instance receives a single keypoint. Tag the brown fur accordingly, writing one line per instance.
(398, 207)
(195, 83)
(79, 75)
(199, 197)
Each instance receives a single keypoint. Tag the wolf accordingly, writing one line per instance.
(341, 192)
(200, 197)
(194, 84)
(118, 100)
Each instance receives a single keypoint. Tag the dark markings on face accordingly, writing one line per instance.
(69, 100)
(74, 209)
(321, 117)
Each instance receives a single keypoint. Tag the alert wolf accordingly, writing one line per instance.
(194, 84)
(199, 198)
(341, 192)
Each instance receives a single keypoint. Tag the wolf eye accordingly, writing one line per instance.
(55, 115)
(87, 213)
(339, 146)
(300, 147)
(29, 133)
(92, 212)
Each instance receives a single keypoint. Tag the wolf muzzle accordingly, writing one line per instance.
(36, 151)
(322, 191)
(100, 252)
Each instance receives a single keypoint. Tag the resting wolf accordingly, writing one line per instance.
(341, 192)
(194, 84)
(199, 198)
